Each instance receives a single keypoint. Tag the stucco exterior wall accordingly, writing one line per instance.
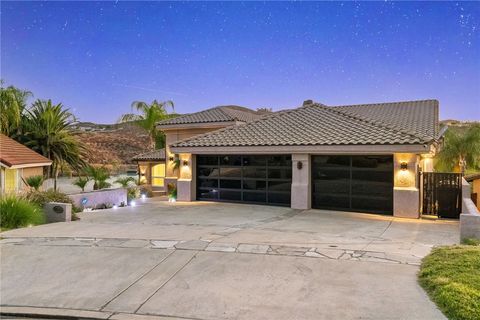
(301, 181)
(95, 198)
(476, 189)
(406, 192)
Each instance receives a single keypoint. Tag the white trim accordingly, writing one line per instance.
(324, 149)
(28, 165)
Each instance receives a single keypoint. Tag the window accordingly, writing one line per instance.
(158, 175)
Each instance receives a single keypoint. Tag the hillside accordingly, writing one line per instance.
(112, 144)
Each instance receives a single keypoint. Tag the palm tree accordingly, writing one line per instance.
(125, 181)
(81, 182)
(34, 182)
(460, 150)
(99, 176)
(148, 117)
(13, 102)
(47, 131)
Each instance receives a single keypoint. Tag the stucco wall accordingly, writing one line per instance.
(94, 198)
(406, 192)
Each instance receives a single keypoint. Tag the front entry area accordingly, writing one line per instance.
(353, 183)
(258, 179)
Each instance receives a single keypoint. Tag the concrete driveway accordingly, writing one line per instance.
(221, 261)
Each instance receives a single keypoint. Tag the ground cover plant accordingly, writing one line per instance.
(451, 277)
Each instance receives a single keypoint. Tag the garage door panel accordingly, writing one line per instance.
(361, 183)
(251, 178)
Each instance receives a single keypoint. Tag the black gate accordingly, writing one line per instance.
(442, 194)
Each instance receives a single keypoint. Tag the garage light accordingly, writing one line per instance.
(185, 162)
(403, 166)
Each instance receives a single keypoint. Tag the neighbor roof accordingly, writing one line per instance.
(151, 155)
(316, 124)
(217, 114)
(14, 154)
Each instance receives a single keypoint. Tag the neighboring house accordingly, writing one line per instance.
(352, 158)
(17, 162)
(474, 180)
(156, 171)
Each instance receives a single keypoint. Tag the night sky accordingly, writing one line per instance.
(98, 57)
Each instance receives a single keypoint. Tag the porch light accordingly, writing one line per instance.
(185, 162)
(403, 166)
(171, 158)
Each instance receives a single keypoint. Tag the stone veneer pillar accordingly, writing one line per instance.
(406, 195)
(301, 177)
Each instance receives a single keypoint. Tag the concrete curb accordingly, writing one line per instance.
(74, 314)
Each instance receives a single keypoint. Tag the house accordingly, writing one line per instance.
(474, 180)
(17, 163)
(156, 172)
(352, 158)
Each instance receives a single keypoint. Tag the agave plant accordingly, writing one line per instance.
(34, 182)
(81, 182)
(125, 181)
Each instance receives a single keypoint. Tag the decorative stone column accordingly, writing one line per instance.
(186, 190)
(301, 185)
(406, 194)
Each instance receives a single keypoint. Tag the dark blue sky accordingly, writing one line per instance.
(97, 57)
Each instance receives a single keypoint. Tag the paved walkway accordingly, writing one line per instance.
(222, 261)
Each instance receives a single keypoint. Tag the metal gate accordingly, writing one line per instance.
(442, 194)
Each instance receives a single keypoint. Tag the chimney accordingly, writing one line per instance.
(307, 102)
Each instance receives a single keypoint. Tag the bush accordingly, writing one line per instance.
(34, 182)
(40, 198)
(172, 190)
(132, 193)
(16, 212)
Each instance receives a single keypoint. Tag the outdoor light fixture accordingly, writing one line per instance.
(115, 206)
(143, 196)
(403, 166)
(171, 158)
(133, 204)
(299, 165)
(185, 162)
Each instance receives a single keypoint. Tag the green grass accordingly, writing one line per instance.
(451, 277)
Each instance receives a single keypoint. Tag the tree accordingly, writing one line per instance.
(47, 131)
(149, 116)
(99, 176)
(460, 150)
(13, 103)
(81, 182)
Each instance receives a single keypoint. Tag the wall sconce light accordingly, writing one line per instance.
(185, 162)
(403, 166)
(299, 165)
(171, 158)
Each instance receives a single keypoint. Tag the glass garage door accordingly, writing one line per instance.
(353, 183)
(252, 179)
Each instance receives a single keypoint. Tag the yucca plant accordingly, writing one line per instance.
(16, 212)
(34, 182)
(125, 181)
(81, 182)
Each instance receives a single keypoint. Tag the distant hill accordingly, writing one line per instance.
(458, 126)
(112, 144)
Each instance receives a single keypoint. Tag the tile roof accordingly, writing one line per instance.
(13, 153)
(217, 114)
(316, 124)
(151, 155)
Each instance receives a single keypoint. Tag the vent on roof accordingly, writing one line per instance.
(307, 102)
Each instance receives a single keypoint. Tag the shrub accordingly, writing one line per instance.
(34, 182)
(132, 193)
(99, 175)
(172, 190)
(125, 181)
(40, 198)
(16, 212)
(81, 182)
